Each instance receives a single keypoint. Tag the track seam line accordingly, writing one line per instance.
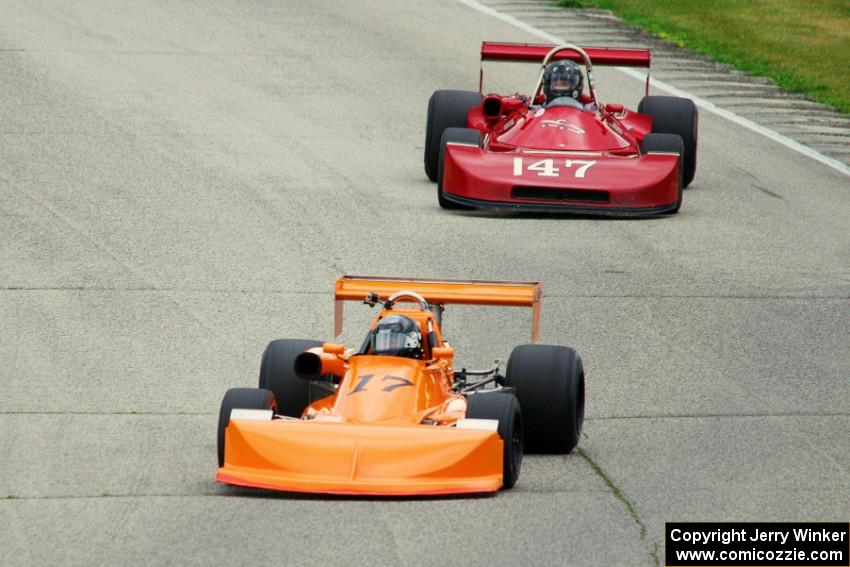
(169, 290)
(717, 415)
(702, 103)
(119, 259)
(139, 413)
(619, 495)
(104, 495)
(599, 418)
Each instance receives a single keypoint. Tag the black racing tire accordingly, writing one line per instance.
(675, 115)
(446, 109)
(277, 373)
(460, 136)
(668, 143)
(506, 409)
(240, 398)
(549, 383)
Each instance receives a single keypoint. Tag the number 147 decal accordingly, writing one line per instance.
(546, 167)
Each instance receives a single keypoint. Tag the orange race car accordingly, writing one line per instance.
(394, 417)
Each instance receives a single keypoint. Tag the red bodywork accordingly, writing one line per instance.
(560, 158)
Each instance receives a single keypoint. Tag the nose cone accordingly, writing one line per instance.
(380, 389)
(563, 129)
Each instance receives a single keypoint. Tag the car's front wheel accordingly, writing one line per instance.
(505, 409)
(675, 115)
(466, 136)
(446, 109)
(240, 398)
(671, 144)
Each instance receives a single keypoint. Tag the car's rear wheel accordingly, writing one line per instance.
(446, 109)
(468, 136)
(549, 383)
(675, 115)
(506, 409)
(277, 373)
(241, 398)
(668, 143)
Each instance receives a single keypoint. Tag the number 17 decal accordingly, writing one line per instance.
(396, 382)
(546, 167)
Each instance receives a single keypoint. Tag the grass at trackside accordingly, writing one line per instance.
(803, 45)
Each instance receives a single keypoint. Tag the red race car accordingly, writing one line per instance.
(561, 149)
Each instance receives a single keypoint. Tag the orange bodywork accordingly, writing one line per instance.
(390, 427)
(442, 292)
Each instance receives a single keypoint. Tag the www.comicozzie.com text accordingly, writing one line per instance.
(781, 536)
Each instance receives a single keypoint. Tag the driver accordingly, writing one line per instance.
(562, 79)
(397, 335)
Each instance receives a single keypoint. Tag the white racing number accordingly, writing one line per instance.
(546, 167)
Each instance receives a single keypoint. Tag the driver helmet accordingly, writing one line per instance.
(561, 78)
(397, 335)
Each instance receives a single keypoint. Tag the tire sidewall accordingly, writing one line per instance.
(506, 409)
(446, 109)
(462, 135)
(668, 143)
(240, 398)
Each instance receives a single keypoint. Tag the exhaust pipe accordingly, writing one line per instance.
(492, 106)
(311, 366)
(308, 366)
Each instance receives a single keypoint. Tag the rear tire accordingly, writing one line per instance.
(240, 398)
(277, 373)
(506, 409)
(549, 382)
(460, 136)
(446, 109)
(668, 143)
(675, 115)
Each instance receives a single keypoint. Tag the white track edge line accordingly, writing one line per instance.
(700, 102)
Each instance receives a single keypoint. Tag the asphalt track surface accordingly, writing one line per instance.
(181, 182)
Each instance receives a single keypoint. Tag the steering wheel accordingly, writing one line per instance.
(587, 66)
(418, 299)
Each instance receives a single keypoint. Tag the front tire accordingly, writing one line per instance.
(446, 109)
(675, 115)
(468, 136)
(277, 373)
(668, 143)
(506, 409)
(240, 398)
(549, 383)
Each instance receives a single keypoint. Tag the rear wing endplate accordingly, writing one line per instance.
(442, 292)
(619, 57)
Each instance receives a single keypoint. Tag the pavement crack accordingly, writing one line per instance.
(630, 508)
(147, 289)
(768, 192)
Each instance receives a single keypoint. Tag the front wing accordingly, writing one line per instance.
(585, 182)
(365, 459)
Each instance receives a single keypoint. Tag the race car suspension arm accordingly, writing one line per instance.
(463, 386)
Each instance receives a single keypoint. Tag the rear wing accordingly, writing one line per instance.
(440, 293)
(533, 52)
